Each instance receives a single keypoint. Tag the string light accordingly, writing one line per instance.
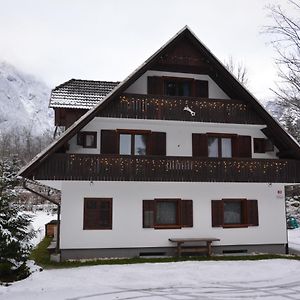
(143, 106)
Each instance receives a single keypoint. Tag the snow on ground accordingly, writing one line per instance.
(40, 218)
(265, 279)
(294, 240)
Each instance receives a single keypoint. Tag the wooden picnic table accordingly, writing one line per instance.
(206, 248)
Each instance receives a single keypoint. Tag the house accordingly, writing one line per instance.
(179, 149)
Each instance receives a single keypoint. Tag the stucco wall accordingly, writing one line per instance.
(127, 213)
(179, 134)
(140, 85)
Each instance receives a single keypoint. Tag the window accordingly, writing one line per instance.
(177, 86)
(87, 139)
(167, 213)
(219, 146)
(132, 144)
(97, 213)
(231, 213)
(262, 145)
(234, 212)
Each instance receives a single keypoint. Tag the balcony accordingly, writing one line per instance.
(172, 108)
(169, 168)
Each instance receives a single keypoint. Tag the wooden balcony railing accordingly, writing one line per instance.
(172, 108)
(151, 168)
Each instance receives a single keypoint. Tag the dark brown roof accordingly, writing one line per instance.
(81, 94)
(274, 129)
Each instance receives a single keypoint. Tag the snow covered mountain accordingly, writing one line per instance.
(23, 102)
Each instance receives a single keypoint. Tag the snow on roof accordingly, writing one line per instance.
(80, 94)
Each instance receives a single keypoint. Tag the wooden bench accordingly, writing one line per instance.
(206, 248)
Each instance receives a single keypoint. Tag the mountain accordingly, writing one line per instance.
(23, 102)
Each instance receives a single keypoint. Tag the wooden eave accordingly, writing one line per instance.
(221, 75)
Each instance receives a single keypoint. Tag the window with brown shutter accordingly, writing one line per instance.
(221, 145)
(167, 213)
(97, 213)
(133, 142)
(87, 139)
(262, 145)
(234, 213)
(177, 86)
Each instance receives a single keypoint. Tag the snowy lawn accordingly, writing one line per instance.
(294, 240)
(40, 218)
(265, 279)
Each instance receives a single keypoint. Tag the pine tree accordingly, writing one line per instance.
(15, 234)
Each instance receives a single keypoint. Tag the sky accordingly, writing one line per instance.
(56, 40)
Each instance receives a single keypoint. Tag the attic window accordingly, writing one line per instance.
(262, 145)
(87, 139)
(177, 86)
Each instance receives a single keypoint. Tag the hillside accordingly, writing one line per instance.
(23, 102)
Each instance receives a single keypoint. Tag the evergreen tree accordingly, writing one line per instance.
(15, 234)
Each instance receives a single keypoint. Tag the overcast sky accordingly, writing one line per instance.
(56, 40)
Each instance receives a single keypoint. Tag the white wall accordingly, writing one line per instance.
(179, 134)
(140, 85)
(127, 213)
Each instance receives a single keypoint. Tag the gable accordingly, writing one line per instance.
(205, 61)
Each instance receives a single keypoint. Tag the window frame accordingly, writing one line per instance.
(219, 137)
(133, 133)
(178, 214)
(244, 218)
(81, 139)
(250, 210)
(97, 226)
(262, 145)
(178, 80)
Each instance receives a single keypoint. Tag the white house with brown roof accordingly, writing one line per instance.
(179, 149)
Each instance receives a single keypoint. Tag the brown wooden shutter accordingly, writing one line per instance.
(148, 213)
(109, 142)
(155, 85)
(200, 146)
(217, 213)
(252, 210)
(187, 213)
(201, 88)
(242, 146)
(80, 138)
(157, 143)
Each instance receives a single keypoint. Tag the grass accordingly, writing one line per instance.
(42, 257)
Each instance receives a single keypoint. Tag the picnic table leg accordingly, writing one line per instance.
(179, 248)
(208, 245)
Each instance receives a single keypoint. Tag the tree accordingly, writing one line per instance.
(285, 38)
(238, 69)
(15, 234)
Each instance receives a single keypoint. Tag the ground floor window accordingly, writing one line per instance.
(230, 213)
(97, 213)
(167, 213)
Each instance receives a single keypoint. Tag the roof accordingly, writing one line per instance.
(273, 127)
(80, 94)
